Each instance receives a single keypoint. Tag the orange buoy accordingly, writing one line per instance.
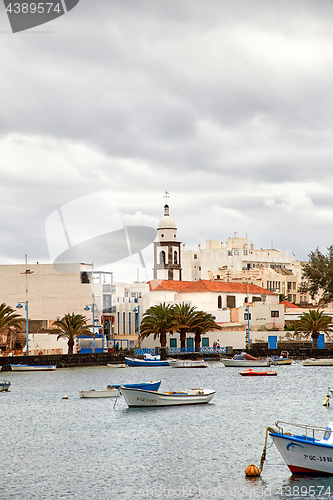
(252, 471)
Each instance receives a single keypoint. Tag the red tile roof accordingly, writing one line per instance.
(288, 304)
(207, 286)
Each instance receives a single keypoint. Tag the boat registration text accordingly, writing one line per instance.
(147, 400)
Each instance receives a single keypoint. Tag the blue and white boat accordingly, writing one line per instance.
(148, 360)
(4, 385)
(304, 453)
(112, 391)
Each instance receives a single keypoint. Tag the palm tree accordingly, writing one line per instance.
(185, 318)
(9, 320)
(312, 323)
(72, 326)
(205, 322)
(158, 320)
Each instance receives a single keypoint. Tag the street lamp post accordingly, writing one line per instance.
(87, 308)
(137, 310)
(19, 306)
(247, 308)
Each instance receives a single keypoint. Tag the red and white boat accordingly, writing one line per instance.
(304, 453)
(251, 373)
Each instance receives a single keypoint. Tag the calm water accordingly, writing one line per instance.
(52, 448)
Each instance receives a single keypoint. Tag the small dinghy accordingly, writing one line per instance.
(32, 368)
(188, 363)
(251, 373)
(112, 391)
(137, 397)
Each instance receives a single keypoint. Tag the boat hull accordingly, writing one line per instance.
(188, 363)
(304, 457)
(251, 373)
(138, 398)
(244, 363)
(145, 362)
(32, 368)
(318, 362)
(113, 391)
(282, 361)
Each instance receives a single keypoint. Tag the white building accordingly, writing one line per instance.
(238, 261)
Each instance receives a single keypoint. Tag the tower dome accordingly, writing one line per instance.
(166, 222)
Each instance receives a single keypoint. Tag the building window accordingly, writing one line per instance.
(205, 342)
(175, 258)
(244, 252)
(236, 252)
(219, 302)
(229, 253)
(275, 314)
(294, 285)
(85, 277)
(173, 342)
(162, 257)
(245, 316)
(195, 256)
(199, 268)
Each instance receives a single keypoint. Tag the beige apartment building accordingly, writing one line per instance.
(238, 261)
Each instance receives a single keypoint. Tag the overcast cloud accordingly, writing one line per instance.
(226, 105)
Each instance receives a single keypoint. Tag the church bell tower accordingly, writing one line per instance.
(167, 258)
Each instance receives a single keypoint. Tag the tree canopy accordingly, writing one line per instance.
(317, 275)
(72, 326)
(8, 318)
(183, 318)
(312, 323)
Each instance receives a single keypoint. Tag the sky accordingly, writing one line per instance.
(227, 106)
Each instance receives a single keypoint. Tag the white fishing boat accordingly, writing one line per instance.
(188, 363)
(304, 453)
(112, 391)
(245, 360)
(32, 368)
(318, 362)
(139, 397)
(115, 365)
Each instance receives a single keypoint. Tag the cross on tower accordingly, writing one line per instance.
(166, 196)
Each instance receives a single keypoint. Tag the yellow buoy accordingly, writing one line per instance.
(252, 471)
(326, 401)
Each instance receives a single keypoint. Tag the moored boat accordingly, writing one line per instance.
(251, 373)
(112, 391)
(4, 385)
(139, 397)
(305, 454)
(283, 359)
(117, 365)
(245, 360)
(148, 360)
(188, 363)
(32, 368)
(318, 362)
